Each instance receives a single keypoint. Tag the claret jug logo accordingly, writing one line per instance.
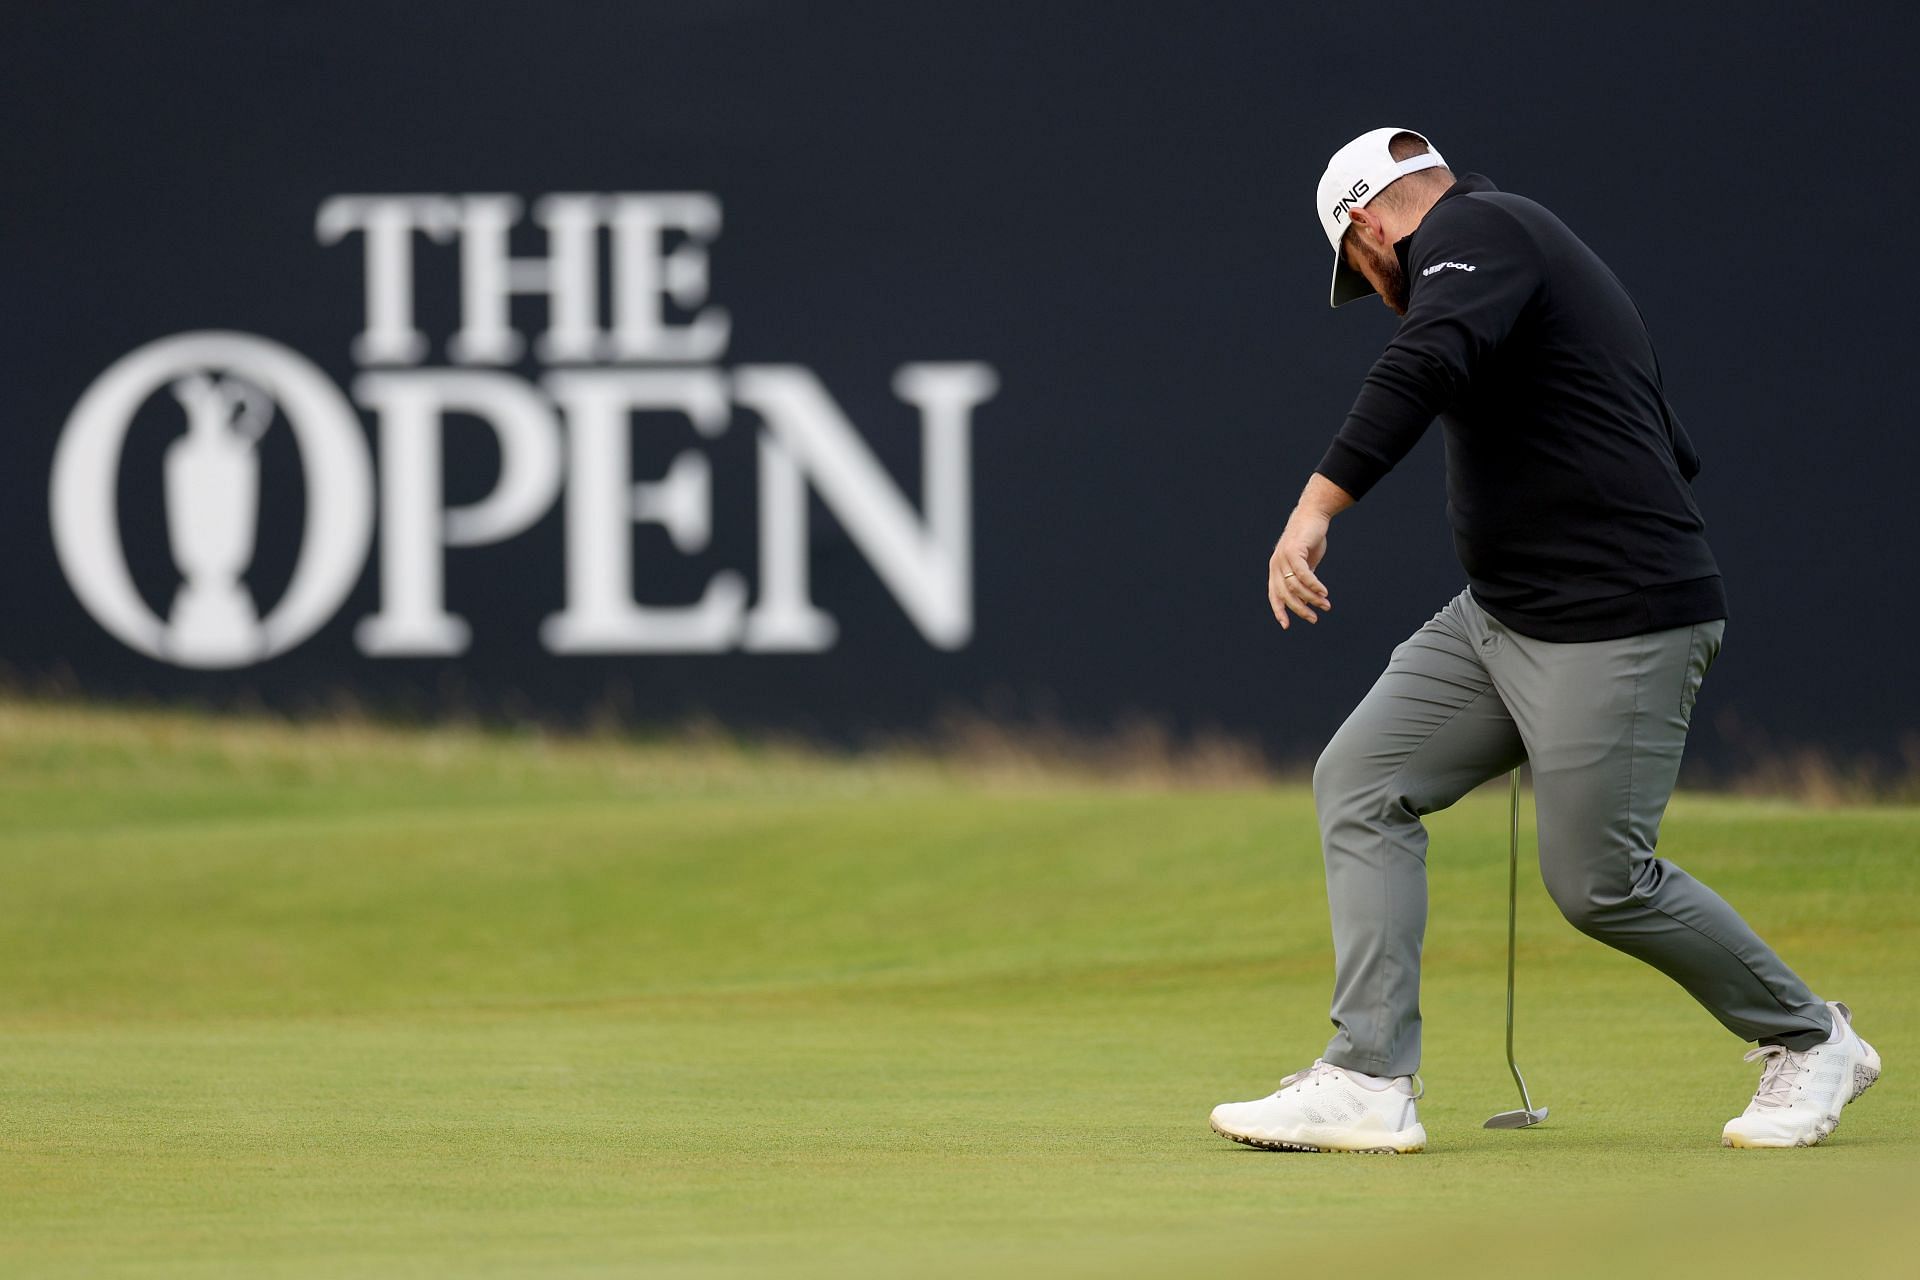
(564, 439)
(227, 385)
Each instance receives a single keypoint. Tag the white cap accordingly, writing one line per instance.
(1357, 173)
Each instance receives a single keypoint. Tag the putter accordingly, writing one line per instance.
(1528, 1114)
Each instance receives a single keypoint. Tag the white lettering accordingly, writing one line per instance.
(643, 277)
(575, 429)
(926, 563)
(389, 224)
(489, 277)
(416, 528)
(601, 614)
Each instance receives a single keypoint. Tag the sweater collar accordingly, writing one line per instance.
(1462, 186)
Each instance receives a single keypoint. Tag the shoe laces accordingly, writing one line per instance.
(1780, 1077)
(1326, 1070)
(1321, 1067)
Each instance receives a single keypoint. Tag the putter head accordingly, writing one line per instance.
(1520, 1119)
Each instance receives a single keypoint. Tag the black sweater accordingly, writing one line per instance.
(1567, 472)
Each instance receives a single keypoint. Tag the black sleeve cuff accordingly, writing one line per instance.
(1351, 469)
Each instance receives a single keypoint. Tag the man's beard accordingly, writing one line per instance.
(1383, 271)
(1393, 282)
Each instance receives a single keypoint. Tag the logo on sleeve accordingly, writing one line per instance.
(1442, 266)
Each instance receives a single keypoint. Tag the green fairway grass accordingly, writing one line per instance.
(331, 1001)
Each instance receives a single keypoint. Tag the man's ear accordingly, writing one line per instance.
(1369, 223)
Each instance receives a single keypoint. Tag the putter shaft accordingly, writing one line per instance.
(1528, 1116)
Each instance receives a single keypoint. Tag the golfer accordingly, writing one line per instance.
(1593, 610)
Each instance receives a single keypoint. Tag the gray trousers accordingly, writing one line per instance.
(1602, 724)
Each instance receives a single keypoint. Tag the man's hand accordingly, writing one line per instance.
(1292, 587)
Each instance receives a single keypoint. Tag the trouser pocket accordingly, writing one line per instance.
(1703, 646)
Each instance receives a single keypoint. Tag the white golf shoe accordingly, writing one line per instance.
(1327, 1108)
(1800, 1095)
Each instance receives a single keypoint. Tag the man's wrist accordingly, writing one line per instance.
(1323, 498)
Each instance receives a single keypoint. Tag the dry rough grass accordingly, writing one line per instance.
(1139, 752)
(1824, 777)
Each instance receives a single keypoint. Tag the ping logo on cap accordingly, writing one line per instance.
(1358, 172)
(1350, 199)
